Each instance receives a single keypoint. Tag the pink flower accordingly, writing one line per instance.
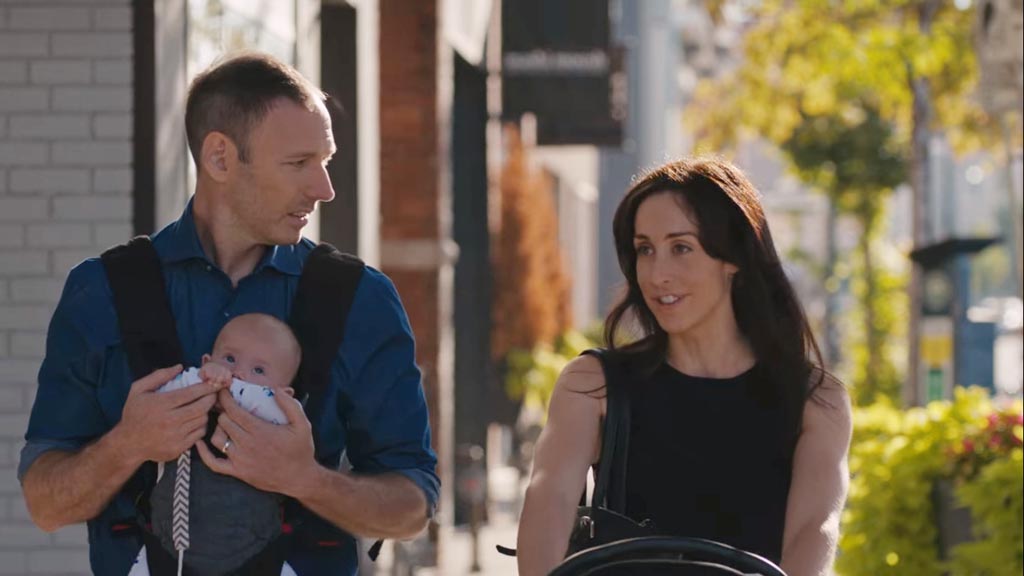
(995, 442)
(968, 445)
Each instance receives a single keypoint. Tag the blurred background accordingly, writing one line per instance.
(483, 147)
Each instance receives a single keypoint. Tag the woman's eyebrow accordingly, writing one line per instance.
(668, 236)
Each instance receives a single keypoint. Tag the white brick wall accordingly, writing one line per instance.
(65, 194)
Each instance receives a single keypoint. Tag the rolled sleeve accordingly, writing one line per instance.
(383, 402)
(33, 449)
(66, 413)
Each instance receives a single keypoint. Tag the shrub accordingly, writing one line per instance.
(889, 526)
(532, 374)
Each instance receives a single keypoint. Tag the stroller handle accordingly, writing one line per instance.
(648, 549)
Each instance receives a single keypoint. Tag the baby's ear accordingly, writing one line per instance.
(206, 358)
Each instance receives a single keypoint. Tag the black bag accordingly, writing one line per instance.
(604, 520)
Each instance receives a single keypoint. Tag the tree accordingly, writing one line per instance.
(814, 57)
(912, 60)
(854, 160)
(532, 291)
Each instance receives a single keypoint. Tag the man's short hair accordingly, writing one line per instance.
(233, 96)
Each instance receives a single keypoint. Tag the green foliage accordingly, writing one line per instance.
(532, 374)
(889, 526)
(809, 58)
(996, 500)
(852, 156)
(992, 270)
(877, 373)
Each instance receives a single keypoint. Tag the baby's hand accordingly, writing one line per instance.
(216, 374)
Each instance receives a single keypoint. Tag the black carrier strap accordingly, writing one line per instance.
(148, 332)
(318, 316)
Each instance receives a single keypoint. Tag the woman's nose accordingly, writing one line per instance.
(660, 270)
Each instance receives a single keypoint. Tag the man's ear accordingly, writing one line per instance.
(219, 156)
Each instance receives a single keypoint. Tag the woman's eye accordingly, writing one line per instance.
(643, 250)
(229, 358)
(258, 371)
(681, 248)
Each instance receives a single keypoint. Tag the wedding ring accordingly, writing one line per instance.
(226, 446)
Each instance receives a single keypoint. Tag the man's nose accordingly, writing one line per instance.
(322, 190)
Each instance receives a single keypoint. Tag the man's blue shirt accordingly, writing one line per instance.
(375, 411)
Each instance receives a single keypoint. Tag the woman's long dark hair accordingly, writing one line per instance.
(731, 227)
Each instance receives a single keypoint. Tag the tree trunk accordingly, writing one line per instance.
(874, 339)
(920, 186)
(832, 352)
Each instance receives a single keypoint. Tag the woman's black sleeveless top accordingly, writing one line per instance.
(710, 458)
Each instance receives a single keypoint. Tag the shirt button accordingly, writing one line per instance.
(209, 268)
(226, 314)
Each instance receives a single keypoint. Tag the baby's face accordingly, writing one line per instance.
(257, 355)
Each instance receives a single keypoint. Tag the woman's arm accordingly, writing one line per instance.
(820, 481)
(567, 447)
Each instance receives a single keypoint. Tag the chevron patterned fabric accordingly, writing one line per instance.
(180, 513)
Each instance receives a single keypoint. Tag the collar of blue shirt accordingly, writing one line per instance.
(179, 242)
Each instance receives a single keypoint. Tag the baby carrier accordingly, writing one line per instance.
(150, 340)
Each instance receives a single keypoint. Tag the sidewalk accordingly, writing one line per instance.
(458, 551)
(506, 488)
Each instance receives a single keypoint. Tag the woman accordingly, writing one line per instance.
(737, 435)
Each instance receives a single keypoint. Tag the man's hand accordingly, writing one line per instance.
(160, 426)
(63, 487)
(281, 459)
(266, 456)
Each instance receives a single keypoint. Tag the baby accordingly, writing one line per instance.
(229, 521)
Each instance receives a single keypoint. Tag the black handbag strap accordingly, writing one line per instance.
(610, 471)
(318, 316)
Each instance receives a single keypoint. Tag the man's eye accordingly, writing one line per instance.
(258, 371)
(229, 358)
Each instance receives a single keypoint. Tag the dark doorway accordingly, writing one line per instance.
(339, 220)
(473, 269)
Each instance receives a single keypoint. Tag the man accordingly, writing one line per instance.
(261, 137)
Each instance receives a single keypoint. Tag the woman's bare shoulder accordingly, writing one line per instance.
(829, 400)
(582, 374)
